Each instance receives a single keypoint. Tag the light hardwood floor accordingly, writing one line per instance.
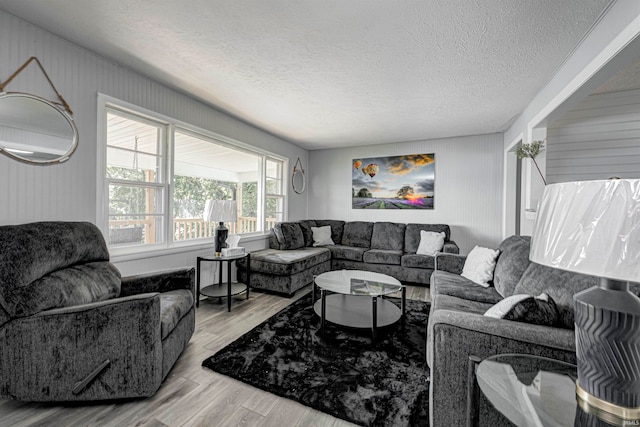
(192, 395)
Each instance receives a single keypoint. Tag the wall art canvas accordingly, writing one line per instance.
(398, 182)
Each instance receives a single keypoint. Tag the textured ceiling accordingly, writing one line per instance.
(336, 73)
(626, 79)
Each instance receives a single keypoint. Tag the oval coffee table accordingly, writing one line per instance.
(353, 298)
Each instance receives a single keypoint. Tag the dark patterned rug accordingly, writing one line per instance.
(342, 373)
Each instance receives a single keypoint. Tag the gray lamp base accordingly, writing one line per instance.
(607, 320)
(221, 235)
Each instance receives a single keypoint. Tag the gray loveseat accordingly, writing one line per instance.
(72, 329)
(384, 247)
(458, 329)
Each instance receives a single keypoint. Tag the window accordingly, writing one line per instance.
(160, 174)
(136, 179)
(275, 193)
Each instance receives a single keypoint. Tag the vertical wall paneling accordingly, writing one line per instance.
(468, 186)
(68, 191)
(598, 139)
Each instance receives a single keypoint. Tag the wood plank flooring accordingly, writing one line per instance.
(192, 395)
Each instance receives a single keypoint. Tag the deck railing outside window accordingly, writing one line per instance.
(136, 231)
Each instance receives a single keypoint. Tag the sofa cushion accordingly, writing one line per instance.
(445, 283)
(289, 235)
(558, 284)
(305, 226)
(388, 235)
(31, 251)
(412, 235)
(79, 284)
(382, 256)
(512, 261)
(540, 310)
(283, 263)
(357, 234)
(347, 252)
(337, 228)
(174, 305)
(418, 261)
(453, 303)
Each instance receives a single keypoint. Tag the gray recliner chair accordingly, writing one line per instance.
(72, 330)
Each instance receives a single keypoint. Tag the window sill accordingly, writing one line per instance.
(138, 253)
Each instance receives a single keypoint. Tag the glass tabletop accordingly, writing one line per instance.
(214, 257)
(530, 390)
(357, 282)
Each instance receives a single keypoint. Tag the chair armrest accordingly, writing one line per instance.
(451, 247)
(453, 263)
(62, 347)
(454, 336)
(163, 281)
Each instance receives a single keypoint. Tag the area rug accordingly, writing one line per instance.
(341, 373)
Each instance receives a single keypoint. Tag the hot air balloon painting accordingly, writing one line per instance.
(396, 182)
(371, 169)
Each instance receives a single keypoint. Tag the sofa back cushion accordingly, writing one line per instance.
(289, 235)
(79, 284)
(357, 234)
(305, 226)
(31, 252)
(388, 235)
(337, 228)
(558, 284)
(412, 235)
(512, 262)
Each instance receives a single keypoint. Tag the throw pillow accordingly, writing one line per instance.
(540, 310)
(479, 265)
(322, 236)
(430, 242)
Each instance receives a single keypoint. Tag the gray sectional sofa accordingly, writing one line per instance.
(458, 328)
(291, 260)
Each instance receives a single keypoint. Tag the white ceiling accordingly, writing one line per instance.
(336, 73)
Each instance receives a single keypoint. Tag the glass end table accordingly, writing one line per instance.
(534, 391)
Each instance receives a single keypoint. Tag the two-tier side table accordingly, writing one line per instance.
(219, 290)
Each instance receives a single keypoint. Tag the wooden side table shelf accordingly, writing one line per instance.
(218, 290)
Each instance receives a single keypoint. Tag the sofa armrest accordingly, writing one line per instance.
(163, 281)
(454, 336)
(62, 347)
(453, 263)
(451, 247)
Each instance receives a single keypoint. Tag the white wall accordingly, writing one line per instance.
(468, 186)
(598, 139)
(611, 45)
(68, 191)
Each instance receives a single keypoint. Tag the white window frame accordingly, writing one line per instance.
(106, 103)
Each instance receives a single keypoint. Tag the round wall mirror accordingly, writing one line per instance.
(298, 180)
(35, 130)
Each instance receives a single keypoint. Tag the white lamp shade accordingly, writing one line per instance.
(590, 227)
(220, 211)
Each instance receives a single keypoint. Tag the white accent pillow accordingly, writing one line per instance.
(430, 242)
(501, 308)
(322, 236)
(479, 265)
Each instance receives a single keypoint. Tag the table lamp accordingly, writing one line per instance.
(593, 227)
(221, 211)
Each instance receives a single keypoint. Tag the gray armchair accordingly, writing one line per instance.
(71, 329)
